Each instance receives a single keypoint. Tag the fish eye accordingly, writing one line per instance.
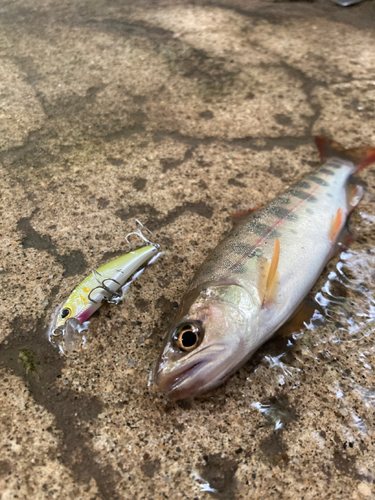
(65, 312)
(188, 336)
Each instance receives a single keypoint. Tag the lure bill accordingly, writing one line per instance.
(256, 278)
(108, 283)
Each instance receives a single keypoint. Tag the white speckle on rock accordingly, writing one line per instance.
(364, 489)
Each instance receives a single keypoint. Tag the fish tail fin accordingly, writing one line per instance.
(360, 157)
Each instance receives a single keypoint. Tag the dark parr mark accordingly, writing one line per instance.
(303, 185)
(255, 227)
(259, 228)
(281, 212)
(334, 163)
(283, 200)
(318, 180)
(72, 411)
(326, 171)
(240, 248)
(302, 195)
(220, 474)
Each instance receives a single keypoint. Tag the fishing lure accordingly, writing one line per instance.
(256, 278)
(108, 283)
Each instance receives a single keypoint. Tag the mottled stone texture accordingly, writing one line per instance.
(176, 113)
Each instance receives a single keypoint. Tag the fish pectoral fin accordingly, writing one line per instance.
(337, 223)
(269, 276)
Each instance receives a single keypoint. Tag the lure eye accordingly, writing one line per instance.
(65, 312)
(188, 336)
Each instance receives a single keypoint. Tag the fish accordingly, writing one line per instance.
(257, 277)
(108, 283)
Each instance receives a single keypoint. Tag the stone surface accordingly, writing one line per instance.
(175, 113)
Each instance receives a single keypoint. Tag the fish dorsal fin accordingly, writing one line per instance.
(239, 215)
(270, 276)
(360, 157)
(337, 223)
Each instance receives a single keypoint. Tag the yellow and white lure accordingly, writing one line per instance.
(108, 283)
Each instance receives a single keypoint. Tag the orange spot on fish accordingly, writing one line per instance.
(337, 223)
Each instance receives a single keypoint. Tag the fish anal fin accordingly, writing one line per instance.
(354, 195)
(269, 276)
(241, 214)
(360, 157)
(337, 223)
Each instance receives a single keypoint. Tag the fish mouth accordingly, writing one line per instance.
(201, 371)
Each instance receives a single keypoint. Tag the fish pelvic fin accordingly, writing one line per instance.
(337, 223)
(270, 277)
(360, 157)
(343, 240)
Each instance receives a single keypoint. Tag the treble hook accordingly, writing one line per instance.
(104, 287)
(138, 232)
